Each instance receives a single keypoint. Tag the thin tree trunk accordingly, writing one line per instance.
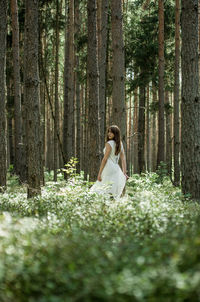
(135, 132)
(10, 130)
(68, 120)
(81, 127)
(141, 130)
(42, 48)
(103, 43)
(161, 134)
(31, 87)
(85, 143)
(176, 97)
(190, 121)
(148, 155)
(154, 131)
(93, 89)
(56, 120)
(129, 134)
(77, 85)
(48, 149)
(118, 93)
(168, 143)
(17, 88)
(3, 136)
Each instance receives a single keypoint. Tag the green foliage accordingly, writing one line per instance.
(141, 36)
(74, 245)
(70, 167)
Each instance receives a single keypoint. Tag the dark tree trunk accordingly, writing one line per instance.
(17, 88)
(141, 130)
(56, 120)
(135, 132)
(68, 121)
(168, 143)
(118, 93)
(31, 87)
(176, 97)
(77, 85)
(42, 103)
(154, 131)
(103, 43)
(161, 127)
(190, 122)
(148, 155)
(3, 137)
(93, 90)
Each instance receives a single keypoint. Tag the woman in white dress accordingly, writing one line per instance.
(111, 179)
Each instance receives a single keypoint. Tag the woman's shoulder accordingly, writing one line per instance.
(111, 142)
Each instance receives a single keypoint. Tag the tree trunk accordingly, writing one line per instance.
(31, 89)
(93, 89)
(135, 132)
(17, 88)
(42, 106)
(154, 131)
(118, 93)
(103, 43)
(77, 85)
(168, 143)
(161, 132)
(141, 130)
(190, 122)
(148, 155)
(68, 120)
(56, 120)
(3, 137)
(85, 142)
(82, 126)
(176, 97)
(10, 128)
(129, 131)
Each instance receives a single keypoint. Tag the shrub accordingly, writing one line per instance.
(74, 245)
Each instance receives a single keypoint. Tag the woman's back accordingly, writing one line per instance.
(112, 156)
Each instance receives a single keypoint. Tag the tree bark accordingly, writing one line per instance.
(190, 122)
(148, 149)
(68, 120)
(176, 97)
(118, 68)
(103, 43)
(17, 84)
(3, 137)
(93, 89)
(56, 104)
(161, 132)
(168, 142)
(135, 132)
(141, 130)
(154, 130)
(77, 85)
(31, 89)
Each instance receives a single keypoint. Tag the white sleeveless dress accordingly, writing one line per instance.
(113, 179)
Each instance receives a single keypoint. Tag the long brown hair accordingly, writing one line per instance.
(117, 137)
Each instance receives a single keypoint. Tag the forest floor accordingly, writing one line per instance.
(73, 245)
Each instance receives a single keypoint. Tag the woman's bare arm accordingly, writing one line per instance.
(123, 160)
(104, 160)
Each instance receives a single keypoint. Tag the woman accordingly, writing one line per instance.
(110, 178)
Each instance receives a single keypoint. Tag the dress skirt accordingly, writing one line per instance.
(113, 180)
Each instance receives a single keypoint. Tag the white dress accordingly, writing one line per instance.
(113, 179)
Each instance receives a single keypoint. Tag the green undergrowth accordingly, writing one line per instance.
(73, 245)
